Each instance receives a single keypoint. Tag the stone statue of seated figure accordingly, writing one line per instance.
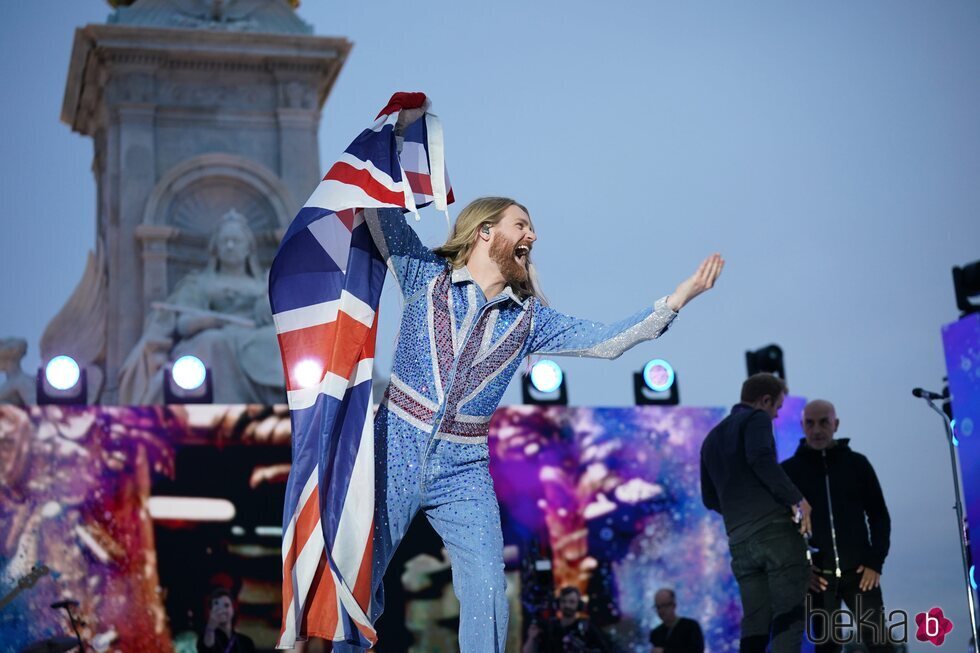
(19, 388)
(221, 315)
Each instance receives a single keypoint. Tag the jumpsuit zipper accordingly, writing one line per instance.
(830, 510)
(438, 424)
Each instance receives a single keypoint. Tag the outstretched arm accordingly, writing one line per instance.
(560, 334)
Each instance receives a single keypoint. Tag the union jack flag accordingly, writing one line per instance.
(324, 286)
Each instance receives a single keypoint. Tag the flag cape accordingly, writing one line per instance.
(324, 286)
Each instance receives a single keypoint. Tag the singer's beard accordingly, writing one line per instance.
(513, 272)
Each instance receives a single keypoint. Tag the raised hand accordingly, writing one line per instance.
(702, 280)
(214, 619)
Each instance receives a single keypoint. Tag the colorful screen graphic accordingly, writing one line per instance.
(85, 514)
(74, 484)
(614, 495)
(604, 499)
(961, 341)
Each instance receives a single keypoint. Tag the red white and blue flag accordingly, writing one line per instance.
(325, 285)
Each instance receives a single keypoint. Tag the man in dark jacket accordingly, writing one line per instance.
(851, 527)
(675, 634)
(569, 633)
(741, 479)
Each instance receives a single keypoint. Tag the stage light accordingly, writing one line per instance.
(658, 375)
(199, 509)
(269, 531)
(656, 384)
(62, 372)
(966, 284)
(62, 381)
(187, 381)
(768, 359)
(545, 385)
(189, 372)
(546, 376)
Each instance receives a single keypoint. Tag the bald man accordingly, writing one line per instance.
(851, 527)
(675, 634)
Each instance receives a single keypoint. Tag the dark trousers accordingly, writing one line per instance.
(772, 573)
(870, 614)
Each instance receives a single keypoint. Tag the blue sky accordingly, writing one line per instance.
(830, 151)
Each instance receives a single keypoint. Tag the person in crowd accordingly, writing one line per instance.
(675, 634)
(569, 633)
(219, 634)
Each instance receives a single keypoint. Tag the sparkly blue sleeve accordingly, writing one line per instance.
(411, 262)
(559, 334)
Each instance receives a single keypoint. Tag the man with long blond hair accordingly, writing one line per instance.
(472, 312)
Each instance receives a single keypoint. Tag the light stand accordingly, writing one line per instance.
(928, 398)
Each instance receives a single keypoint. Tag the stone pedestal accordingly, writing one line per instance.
(193, 113)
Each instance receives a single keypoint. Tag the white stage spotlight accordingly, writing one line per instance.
(545, 385)
(189, 372)
(62, 372)
(546, 376)
(187, 381)
(62, 381)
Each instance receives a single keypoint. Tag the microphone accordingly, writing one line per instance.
(925, 394)
(65, 604)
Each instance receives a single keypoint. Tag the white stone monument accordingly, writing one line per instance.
(196, 108)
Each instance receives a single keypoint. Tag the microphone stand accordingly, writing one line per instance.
(959, 511)
(74, 626)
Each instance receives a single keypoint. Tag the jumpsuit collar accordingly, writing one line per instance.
(462, 275)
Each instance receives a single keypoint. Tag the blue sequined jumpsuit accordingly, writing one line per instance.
(457, 351)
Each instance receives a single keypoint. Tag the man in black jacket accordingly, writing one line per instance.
(851, 528)
(569, 633)
(675, 634)
(741, 479)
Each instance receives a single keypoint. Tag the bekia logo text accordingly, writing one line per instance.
(871, 626)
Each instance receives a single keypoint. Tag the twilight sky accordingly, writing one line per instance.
(830, 151)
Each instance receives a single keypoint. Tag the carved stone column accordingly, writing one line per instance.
(131, 103)
(154, 239)
(298, 120)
